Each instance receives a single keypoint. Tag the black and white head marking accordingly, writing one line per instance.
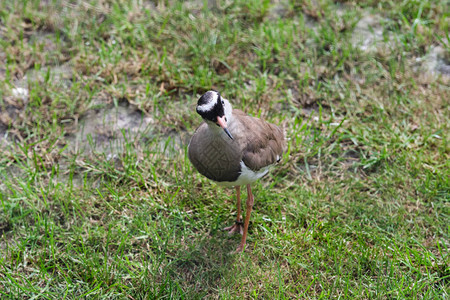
(210, 106)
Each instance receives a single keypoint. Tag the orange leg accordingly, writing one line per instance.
(237, 227)
(238, 196)
(249, 206)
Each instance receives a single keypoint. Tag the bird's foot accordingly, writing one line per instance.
(239, 249)
(238, 227)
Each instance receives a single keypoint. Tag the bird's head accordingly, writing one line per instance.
(213, 108)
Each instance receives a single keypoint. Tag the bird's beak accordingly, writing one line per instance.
(222, 123)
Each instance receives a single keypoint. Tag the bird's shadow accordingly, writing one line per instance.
(205, 262)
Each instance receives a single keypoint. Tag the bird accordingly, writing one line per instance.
(234, 149)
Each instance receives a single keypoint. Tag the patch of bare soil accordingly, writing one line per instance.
(370, 35)
(435, 64)
(107, 129)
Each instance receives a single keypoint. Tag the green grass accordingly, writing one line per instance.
(359, 208)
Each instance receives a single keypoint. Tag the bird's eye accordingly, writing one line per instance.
(223, 102)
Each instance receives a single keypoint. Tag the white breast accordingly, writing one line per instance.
(247, 176)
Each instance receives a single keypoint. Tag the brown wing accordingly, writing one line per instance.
(262, 143)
